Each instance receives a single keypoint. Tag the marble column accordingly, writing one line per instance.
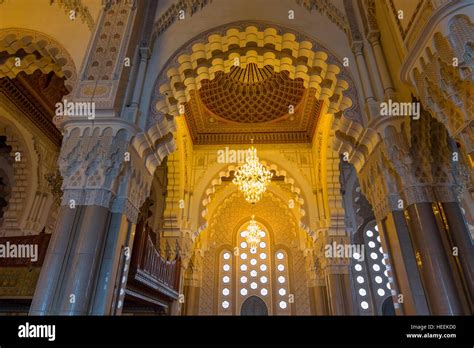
(340, 298)
(397, 243)
(462, 240)
(52, 272)
(384, 75)
(357, 48)
(112, 269)
(84, 262)
(438, 280)
(320, 300)
(191, 300)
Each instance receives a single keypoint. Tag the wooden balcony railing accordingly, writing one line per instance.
(150, 268)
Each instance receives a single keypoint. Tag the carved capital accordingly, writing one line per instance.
(100, 168)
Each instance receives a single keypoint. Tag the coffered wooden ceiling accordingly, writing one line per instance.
(252, 103)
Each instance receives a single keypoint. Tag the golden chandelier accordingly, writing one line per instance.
(252, 177)
(253, 234)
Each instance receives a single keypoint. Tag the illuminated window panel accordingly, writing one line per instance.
(225, 283)
(282, 286)
(254, 272)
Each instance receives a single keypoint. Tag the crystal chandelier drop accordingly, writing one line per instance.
(253, 234)
(252, 177)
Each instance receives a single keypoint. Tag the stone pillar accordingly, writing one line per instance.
(462, 241)
(191, 299)
(339, 288)
(433, 264)
(384, 75)
(77, 287)
(104, 185)
(46, 288)
(319, 299)
(109, 294)
(397, 243)
(357, 48)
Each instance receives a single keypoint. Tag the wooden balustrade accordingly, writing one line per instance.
(149, 267)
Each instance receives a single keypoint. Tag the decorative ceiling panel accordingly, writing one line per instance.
(252, 103)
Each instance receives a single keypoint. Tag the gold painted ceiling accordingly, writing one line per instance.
(252, 102)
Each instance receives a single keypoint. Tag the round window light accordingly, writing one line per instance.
(378, 239)
(244, 234)
(243, 267)
(263, 268)
(226, 279)
(253, 250)
(226, 256)
(378, 279)
(385, 273)
(226, 267)
(376, 228)
(360, 279)
(243, 292)
(373, 256)
(282, 304)
(358, 267)
(243, 279)
(263, 256)
(262, 234)
(371, 244)
(243, 245)
(362, 292)
(381, 250)
(281, 268)
(369, 233)
(381, 292)
(282, 292)
(253, 285)
(383, 261)
(262, 245)
(253, 262)
(280, 256)
(376, 267)
(356, 256)
(225, 304)
(364, 305)
(225, 291)
(281, 279)
(253, 273)
(388, 286)
(243, 256)
(263, 279)
(264, 292)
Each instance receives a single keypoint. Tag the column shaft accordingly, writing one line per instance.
(84, 265)
(382, 67)
(337, 294)
(118, 236)
(52, 272)
(438, 280)
(397, 243)
(461, 239)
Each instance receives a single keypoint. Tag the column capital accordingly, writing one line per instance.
(357, 47)
(99, 167)
(374, 37)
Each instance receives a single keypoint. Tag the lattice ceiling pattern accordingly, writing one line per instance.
(251, 94)
(263, 48)
(273, 73)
